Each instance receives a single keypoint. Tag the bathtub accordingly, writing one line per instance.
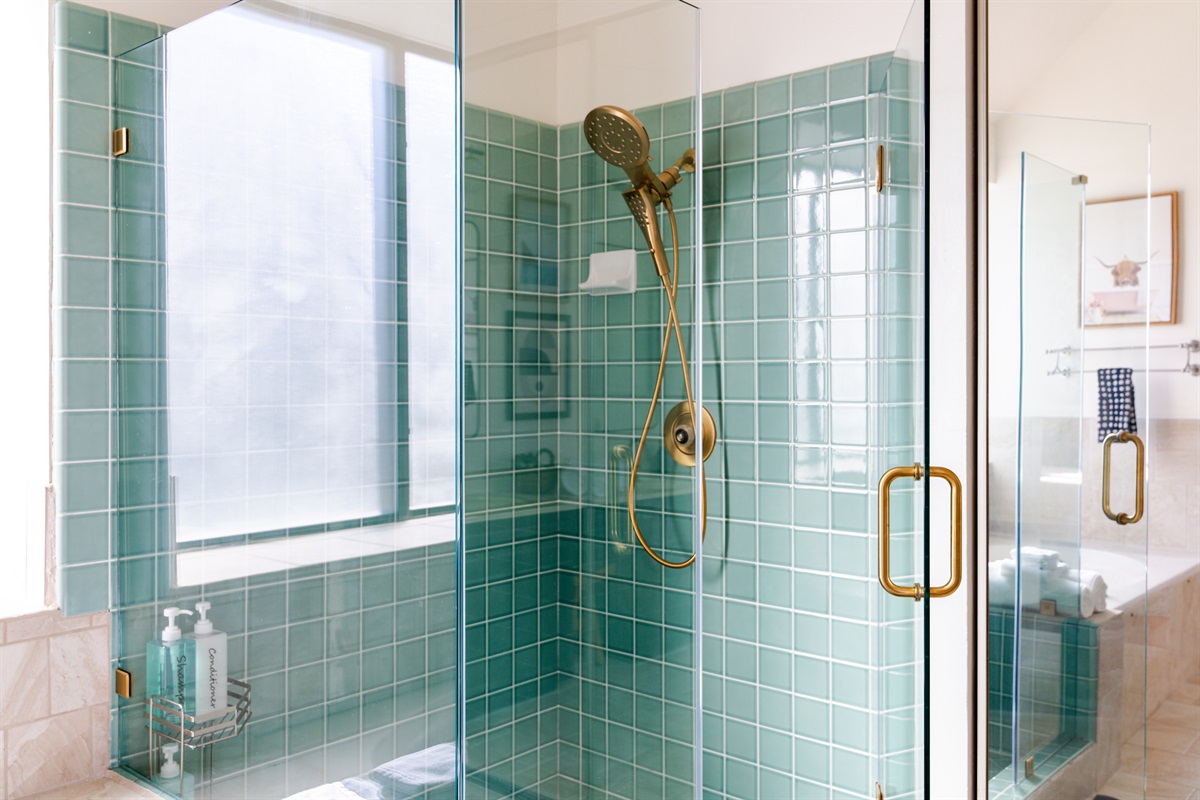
(1131, 575)
(1149, 644)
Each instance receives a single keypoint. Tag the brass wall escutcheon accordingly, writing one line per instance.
(679, 434)
(1139, 502)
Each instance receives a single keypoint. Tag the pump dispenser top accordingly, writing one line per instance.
(169, 768)
(203, 625)
(172, 633)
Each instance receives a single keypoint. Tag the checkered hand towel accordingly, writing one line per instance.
(1117, 411)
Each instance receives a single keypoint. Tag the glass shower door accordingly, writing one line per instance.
(918, 525)
(285, 324)
(1067, 596)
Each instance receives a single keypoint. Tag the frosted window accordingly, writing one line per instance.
(281, 289)
(429, 103)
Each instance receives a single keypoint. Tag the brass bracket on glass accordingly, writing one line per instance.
(120, 141)
(123, 683)
(679, 434)
(879, 165)
(879, 792)
(1140, 492)
(916, 472)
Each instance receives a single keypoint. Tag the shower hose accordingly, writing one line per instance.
(670, 285)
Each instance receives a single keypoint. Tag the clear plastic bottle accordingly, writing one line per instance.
(170, 666)
(212, 663)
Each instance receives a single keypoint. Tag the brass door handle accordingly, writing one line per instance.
(916, 472)
(1140, 491)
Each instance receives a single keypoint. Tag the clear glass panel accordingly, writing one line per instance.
(285, 350)
(579, 646)
(1067, 585)
(899, 412)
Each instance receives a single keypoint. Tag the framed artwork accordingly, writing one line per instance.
(1129, 278)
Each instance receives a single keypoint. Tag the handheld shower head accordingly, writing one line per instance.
(619, 138)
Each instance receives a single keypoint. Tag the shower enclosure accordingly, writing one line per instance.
(1067, 641)
(380, 403)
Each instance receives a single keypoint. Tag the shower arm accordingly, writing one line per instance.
(662, 184)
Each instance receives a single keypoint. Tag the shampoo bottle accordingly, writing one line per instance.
(212, 663)
(170, 667)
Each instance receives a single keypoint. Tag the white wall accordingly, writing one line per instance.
(25, 309)
(1126, 61)
(636, 53)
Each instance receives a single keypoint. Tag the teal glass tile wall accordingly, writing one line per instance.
(516, 397)
(86, 297)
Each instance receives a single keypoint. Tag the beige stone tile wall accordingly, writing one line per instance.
(54, 702)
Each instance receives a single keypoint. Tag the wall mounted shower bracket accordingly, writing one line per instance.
(679, 434)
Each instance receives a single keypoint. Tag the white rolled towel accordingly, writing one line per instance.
(1036, 556)
(1071, 598)
(1002, 588)
(1092, 582)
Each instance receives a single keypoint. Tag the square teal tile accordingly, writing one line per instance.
(83, 589)
(136, 236)
(83, 180)
(137, 185)
(848, 121)
(81, 28)
(84, 333)
(82, 77)
(771, 177)
(84, 231)
(83, 538)
(771, 218)
(809, 129)
(773, 96)
(129, 33)
(809, 88)
(773, 136)
(83, 128)
(848, 80)
(83, 282)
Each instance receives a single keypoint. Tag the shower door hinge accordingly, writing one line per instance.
(1029, 767)
(123, 683)
(1079, 180)
(880, 161)
(120, 141)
